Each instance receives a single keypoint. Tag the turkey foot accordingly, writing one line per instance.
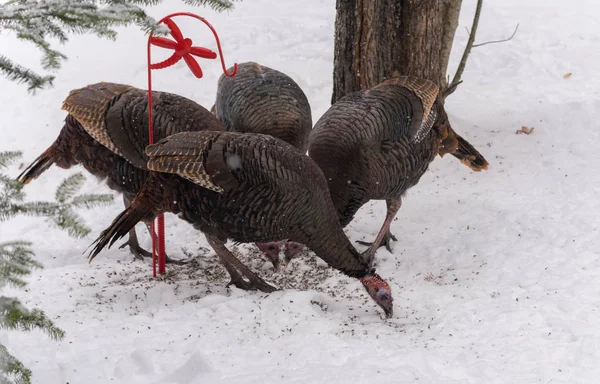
(384, 236)
(140, 253)
(168, 260)
(134, 247)
(237, 270)
(386, 241)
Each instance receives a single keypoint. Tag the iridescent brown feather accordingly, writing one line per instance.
(377, 143)
(106, 131)
(184, 154)
(89, 105)
(269, 191)
(427, 92)
(259, 99)
(257, 202)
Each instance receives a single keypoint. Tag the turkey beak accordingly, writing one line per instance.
(285, 262)
(291, 251)
(389, 310)
(386, 302)
(288, 256)
(276, 263)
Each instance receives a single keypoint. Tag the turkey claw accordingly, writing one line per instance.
(386, 242)
(138, 252)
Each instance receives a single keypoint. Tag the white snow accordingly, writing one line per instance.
(496, 275)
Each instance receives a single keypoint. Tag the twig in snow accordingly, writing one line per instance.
(525, 130)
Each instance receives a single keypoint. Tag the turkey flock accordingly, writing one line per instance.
(255, 169)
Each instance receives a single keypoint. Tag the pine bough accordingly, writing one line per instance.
(38, 21)
(17, 258)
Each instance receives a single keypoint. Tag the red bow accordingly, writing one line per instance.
(183, 50)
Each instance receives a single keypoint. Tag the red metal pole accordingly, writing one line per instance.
(151, 141)
(183, 49)
(162, 255)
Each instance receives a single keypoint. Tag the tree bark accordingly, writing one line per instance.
(379, 39)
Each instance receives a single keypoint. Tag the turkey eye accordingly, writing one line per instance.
(272, 248)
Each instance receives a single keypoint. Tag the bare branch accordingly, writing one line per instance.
(450, 13)
(463, 61)
(452, 88)
(498, 41)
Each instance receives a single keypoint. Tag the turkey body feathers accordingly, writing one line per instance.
(260, 99)
(365, 144)
(75, 146)
(106, 131)
(271, 191)
(117, 116)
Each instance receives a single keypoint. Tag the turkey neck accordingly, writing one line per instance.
(323, 234)
(334, 247)
(347, 196)
(318, 226)
(76, 146)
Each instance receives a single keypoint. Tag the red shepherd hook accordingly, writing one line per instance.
(183, 50)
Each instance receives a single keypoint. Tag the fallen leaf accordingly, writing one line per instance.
(567, 75)
(525, 130)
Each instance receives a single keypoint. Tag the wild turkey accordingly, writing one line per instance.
(248, 188)
(106, 131)
(377, 143)
(259, 99)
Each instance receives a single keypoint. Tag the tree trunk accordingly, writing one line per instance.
(379, 39)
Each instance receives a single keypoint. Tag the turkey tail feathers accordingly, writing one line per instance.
(119, 228)
(469, 156)
(39, 166)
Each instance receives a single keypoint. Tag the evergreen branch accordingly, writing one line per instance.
(10, 366)
(19, 74)
(91, 200)
(7, 158)
(14, 316)
(17, 257)
(16, 260)
(37, 21)
(71, 222)
(217, 5)
(34, 208)
(51, 59)
(60, 212)
(69, 187)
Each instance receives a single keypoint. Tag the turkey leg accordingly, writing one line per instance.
(237, 270)
(134, 246)
(168, 260)
(384, 236)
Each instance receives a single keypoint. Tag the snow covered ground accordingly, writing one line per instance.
(496, 275)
